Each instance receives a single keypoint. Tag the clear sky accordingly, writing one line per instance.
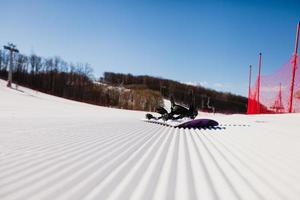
(207, 42)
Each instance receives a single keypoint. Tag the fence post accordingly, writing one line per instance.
(294, 62)
(249, 90)
(258, 85)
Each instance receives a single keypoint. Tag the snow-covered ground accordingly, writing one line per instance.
(53, 148)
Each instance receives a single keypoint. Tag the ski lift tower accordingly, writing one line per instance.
(278, 106)
(11, 48)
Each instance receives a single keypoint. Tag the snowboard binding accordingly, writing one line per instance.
(177, 112)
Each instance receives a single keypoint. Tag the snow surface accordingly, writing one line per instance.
(53, 148)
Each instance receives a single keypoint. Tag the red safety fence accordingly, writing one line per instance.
(278, 92)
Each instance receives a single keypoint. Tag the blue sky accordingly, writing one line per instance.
(207, 42)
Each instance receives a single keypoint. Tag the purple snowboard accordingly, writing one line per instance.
(199, 123)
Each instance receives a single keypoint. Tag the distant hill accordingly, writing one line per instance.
(75, 81)
(204, 98)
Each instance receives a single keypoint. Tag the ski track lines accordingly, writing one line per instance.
(121, 157)
(146, 161)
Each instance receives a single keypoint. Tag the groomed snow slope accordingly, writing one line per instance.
(52, 148)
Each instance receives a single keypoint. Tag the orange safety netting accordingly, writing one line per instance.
(277, 92)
